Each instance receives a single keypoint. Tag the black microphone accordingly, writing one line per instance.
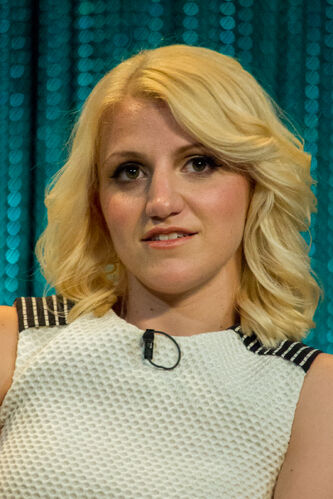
(148, 339)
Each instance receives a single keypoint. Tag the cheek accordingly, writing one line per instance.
(118, 213)
(226, 205)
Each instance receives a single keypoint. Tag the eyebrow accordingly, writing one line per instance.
(137, 154)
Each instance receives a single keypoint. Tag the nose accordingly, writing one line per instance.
(163, 194)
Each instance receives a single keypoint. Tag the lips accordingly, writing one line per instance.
(157, 231)
(183, 234)
(165, 244)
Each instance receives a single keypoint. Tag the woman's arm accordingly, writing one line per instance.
(8, 347)
(307, 471)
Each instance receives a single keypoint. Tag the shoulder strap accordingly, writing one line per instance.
(294, 351)
(42, 311)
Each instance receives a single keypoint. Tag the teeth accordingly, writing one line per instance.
(164, 237)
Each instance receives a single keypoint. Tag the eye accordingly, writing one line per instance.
(205, 160)
(201, 162)
(130, 167)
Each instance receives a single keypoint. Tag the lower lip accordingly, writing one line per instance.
(169, 243)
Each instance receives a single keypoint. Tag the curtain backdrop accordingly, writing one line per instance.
(54, 51)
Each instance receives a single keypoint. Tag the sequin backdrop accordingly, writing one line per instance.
(54, 51)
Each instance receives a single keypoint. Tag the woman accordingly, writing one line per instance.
(96, 399)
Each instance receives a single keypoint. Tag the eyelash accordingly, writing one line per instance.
(210, 160)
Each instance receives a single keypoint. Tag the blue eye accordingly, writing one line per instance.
(202, 161)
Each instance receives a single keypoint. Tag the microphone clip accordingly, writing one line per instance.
(148, 340)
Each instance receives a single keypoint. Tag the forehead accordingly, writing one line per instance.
(141, 121)
(128, 114)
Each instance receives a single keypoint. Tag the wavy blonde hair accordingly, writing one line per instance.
(222, 105)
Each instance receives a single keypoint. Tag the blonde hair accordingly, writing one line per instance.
(236, 118)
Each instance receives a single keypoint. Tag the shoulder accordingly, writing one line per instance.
(307, 470)
(8, 325)
(316, 397)
(8, 346)
(7, 313)
(295, 352)
(8, 321)
(44, 311)
(317, 393)
(26, 312)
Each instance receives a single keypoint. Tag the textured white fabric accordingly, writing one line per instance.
(88, 417)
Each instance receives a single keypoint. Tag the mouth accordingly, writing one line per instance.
(169, 243)
(185, 235)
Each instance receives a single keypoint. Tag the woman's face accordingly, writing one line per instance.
(164, 185)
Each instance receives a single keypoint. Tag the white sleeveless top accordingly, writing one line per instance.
(88, 417)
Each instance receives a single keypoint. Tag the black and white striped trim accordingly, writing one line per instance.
(53, 311)
(294, 351)
(42, 311)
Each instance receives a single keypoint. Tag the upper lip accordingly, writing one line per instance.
(165, 230)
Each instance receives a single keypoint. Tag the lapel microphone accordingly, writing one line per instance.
(148, 340)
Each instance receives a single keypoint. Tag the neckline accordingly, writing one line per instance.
(235, 327)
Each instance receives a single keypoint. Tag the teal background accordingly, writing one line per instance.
(53, 52)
